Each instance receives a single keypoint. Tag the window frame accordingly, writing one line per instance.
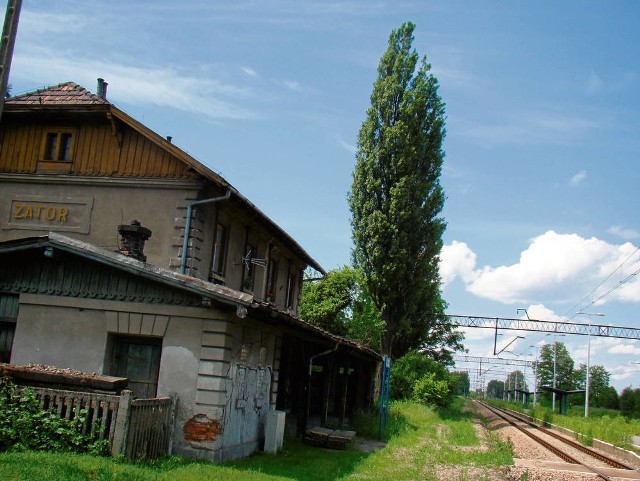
(292, 278)
(248, 281)
(56, 153)
(271, 287)
(220, 246)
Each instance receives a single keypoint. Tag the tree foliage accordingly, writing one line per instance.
(323, 302)
(599, 393)
(516, 380)
(396, 197)
(495, 389)
(630, 402)
(340, 304)
(460, 382)
(564, 366)
(407, 370)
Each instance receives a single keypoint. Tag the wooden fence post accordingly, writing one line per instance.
(122, 424)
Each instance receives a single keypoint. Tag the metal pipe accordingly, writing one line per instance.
(323, 353)
(187, 227)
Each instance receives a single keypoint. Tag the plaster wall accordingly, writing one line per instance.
(220, 366)
(96, 208)
(65, 337)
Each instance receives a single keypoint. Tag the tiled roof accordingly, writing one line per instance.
(65, 93)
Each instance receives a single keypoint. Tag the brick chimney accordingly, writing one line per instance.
(132, 238)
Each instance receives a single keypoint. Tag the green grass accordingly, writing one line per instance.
(605, 425)
(420, 441)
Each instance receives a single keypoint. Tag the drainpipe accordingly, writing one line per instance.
(323, 353)
(187, 227)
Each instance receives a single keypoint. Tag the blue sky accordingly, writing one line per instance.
(543, 133)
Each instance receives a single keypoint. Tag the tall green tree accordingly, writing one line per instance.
(461, 382)
(598, 384)
(495, 389)
(564, 366)
(630, 402)
(516, 380)
(396, 198)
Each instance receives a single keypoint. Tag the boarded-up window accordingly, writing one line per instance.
(8, 316)
(138, 359)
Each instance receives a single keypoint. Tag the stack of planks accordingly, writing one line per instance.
(329, 438)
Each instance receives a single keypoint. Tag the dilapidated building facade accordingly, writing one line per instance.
(121, 254)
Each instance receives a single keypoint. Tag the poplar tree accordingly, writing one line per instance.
(396, 198)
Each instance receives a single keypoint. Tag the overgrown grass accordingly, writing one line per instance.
(421, 442)
(605, 425)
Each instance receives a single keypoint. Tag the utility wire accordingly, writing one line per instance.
(617, 286)
(585, 307)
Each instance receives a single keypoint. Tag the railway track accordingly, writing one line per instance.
(519, 423)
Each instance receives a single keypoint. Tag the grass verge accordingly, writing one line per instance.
(601, 424)
(422, 444)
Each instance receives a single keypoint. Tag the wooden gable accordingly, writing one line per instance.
(99, 139)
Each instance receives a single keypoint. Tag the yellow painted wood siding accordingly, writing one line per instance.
(96, 151)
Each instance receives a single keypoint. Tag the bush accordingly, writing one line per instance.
(24, 425)
(407, 370)
(429, 390)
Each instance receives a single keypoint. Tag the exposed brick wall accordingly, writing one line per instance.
(201, 428)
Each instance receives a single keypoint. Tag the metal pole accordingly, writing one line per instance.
(555, 347)
(535, 380)
(588, 373)
(586, 395)
(7, 43)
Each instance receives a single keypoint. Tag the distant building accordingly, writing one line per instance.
(121, 254)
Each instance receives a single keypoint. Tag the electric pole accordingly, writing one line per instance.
(7, 42)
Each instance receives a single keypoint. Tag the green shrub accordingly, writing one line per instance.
(430, 390)
(24, 425)
(408, 369)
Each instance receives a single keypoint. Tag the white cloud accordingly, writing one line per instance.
(352, 149)
(457, 260)
(542, 313)
(249, 71)
(551, 263)
(624, 349)
(530, 128)
(161, 86)
(623, 233)
(33, 23)
(578, 179)
(293, 85)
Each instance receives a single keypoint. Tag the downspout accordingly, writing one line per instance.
(323, 353)
(187, 227)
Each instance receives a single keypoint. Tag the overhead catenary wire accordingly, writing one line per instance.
(579, 307)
